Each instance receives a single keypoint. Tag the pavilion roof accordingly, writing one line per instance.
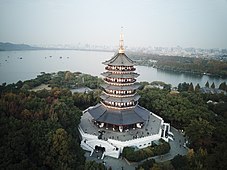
(119, 117)
(120, 59)
(128, 87)
(119, 99)
(127, 75)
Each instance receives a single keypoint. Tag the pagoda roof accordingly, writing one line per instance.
(120, 59)
(127, 75)
(119, 99)
(119, 117)
(128, 87)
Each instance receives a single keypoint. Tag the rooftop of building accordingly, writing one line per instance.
(128, 87)
(81, 90)
(128, 116)
(151, 127)
(212, 90)
(119, 99)
(112, 75)
(120, 59)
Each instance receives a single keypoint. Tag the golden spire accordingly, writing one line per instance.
(121, 43)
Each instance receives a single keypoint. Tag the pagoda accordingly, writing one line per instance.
(119, 108)
(119, 121)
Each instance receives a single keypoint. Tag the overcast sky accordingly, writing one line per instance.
(166, 23)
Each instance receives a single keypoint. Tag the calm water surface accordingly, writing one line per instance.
(24, 65)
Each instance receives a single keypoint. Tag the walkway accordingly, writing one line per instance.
(118, 164)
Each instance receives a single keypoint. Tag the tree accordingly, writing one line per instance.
(191, 88)
(167, 87)
(25, 87)
(190, 154)
(183, 87)
(62, 150)
(223, 86)
(197, 87)
(212, 85)
(26, 114)
(207, 84)
(92, 165)
(31, 139)
(179, 162)
(146, 165)
(68, 76)
(199, 132)
(156, 167)
(217, 159)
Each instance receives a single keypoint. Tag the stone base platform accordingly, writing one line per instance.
(113, 142)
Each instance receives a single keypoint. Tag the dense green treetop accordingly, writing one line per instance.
(38, 129)
(183, 64)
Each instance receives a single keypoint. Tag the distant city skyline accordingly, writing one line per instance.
(157, 23)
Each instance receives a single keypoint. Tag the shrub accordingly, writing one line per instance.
(135, 156)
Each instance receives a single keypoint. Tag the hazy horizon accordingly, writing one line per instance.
(164, 23)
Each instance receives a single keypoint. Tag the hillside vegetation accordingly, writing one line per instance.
(39, 129)
(190, 65)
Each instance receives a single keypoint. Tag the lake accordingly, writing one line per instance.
(25, 65)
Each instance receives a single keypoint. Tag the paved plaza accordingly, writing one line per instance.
(177, 147)
(151, 127)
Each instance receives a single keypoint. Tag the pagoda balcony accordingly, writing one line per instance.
(118, 107)
(120, 95)
(119, 82)
(120, 72)
(120, 69)
(120, 104)
(121, 92)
